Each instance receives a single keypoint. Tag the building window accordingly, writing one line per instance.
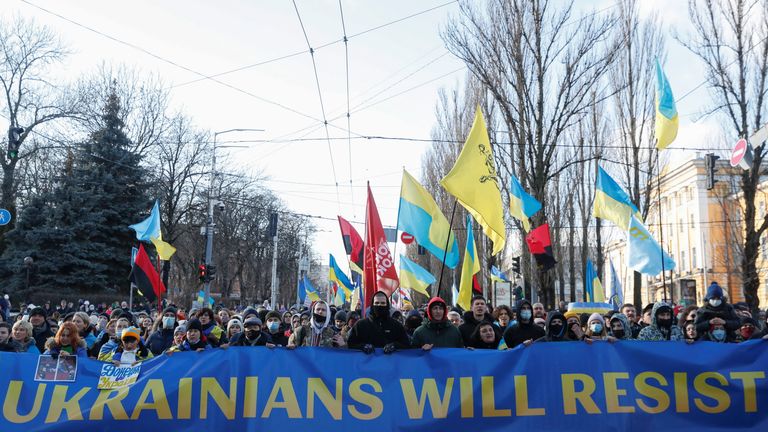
(764, 247)
(693, 222)
(694, 264)
(681, 225)
(683, 267)
(762, 209)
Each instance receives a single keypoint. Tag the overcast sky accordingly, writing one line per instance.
(395, 72)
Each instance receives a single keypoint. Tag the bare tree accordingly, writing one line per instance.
(30, 99)
(731, 40)
(541, 69)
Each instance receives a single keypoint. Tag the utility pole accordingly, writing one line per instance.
(273, 216)
(211, 224)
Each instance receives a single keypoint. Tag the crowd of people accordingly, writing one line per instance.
(116, 334)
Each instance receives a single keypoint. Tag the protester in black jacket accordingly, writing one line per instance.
(162, 338)
(41, 330)
(525, 332)
(378, 330)
(477, 315)
(716, 312)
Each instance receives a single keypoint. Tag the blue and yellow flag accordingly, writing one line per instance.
(474, 182)
(667, 121)
(469, 268)
(497, 275)
(149, 228)
(592, 286)
(521, 205)
(644, 254)
(337, 277)
(414, 276)
(421, 217)
(612, 202)
(310, 291)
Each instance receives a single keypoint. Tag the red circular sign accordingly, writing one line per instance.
(406, 238)
(738, 152)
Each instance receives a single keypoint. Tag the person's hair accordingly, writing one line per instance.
(8, 326)
(627, 305)
(86, 319)
(209, 312)
(475, 337)
(74, 336)
(603, 332)
(683, 317)
(26, 325)
(497, 310)
(477, 297)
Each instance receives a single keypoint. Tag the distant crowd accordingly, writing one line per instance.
(116, 334)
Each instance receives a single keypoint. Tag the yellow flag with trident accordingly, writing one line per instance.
(474, 182)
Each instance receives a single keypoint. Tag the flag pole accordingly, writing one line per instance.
(445, 250)
(661, 232)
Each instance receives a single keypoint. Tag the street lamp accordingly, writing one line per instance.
(28, 261)
(211, 202)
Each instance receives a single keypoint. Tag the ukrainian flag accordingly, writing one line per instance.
(611, 202)
(420, 216)
(497, 275)
(336, 276)
(310, 290)
(469, 268)
(667, 121)
(414, 276)
(643, 253)
(592, 286)
(521, 205)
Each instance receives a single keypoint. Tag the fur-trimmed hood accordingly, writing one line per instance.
(51, 343)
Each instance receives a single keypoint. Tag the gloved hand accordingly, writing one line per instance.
(389, 348)
(368, 349)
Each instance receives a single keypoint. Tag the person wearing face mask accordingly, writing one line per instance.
(195, 340)
(573, 329)
(437, 331)
(661, 327)
(274, 328)
(131, 351)
(106, 350)
(378, 329)
(596, 329)
(162, 337)
(620, 327)
(747, 331)
(253, 335)
(318, 332)
(556, 330)
(525, 331)
(716, 311)
(716, 333)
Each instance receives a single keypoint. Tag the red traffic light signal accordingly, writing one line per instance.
(201, 272)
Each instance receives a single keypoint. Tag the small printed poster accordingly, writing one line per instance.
(59, 368)
(113, 377)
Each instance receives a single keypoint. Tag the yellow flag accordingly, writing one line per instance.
(164, 250)
(475, 184)
(469, 268)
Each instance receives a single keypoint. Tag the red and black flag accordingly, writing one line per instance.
(540, 245)
(353, 244)
(144, 276)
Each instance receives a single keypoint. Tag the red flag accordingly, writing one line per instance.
(353, 243)
(145, 277)
(379, 267)
(540, 245)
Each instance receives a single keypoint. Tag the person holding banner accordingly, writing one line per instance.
(485, 336)
(525, 332)
(195, 340)
(66, 342)
(661, 327)
(555, 329)
(131, 351)
(212, 332)
(596, 329)
(162, 337)
(274, 328)
(378, 329)
(318, 331)
(437, 331)
(620, 327)
(253, 335)
(574, 331)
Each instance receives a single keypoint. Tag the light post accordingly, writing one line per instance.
(28, 261)
(210, 226)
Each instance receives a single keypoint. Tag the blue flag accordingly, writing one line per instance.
(149, 228)
(644, 254)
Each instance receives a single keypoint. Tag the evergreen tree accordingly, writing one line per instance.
(78, 235)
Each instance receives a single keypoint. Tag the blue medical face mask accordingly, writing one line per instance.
(596, 328)
(273, 326)
(526, 314)
(718, 334)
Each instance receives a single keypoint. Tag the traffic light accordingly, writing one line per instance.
(516, 265)
(210, 271)
(710, 161)
(273, 225)
(202, 273)
(14, 136)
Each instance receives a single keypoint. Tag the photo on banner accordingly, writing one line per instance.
(61, 368)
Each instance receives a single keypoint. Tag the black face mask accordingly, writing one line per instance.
(618, 334)
(555, 329)
(252, 333)
(380, 311)
(319, 319)
(666, 323)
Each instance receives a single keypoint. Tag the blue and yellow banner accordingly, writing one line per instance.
(628, 386)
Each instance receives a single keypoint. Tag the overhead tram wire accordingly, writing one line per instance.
(349, 122)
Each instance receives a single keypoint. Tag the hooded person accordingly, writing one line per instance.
(339, 320)
(273, 327)
(525, 331)
(477, 314)
(573, 331)
(412, 322)
(716, 311)
(620, 328)
(253, 334)
(437, 331)
(596, 329)
(749, 330)
(162, 338)
(556, 329)
(485, 336)
(318, 332)
(378, 329)
(661, 327)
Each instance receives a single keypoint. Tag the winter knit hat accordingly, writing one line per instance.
(714, 291)
(273, 314)
(130, 332)
(596, 317)
(180, 329)
(234, 322)
(194, 324)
